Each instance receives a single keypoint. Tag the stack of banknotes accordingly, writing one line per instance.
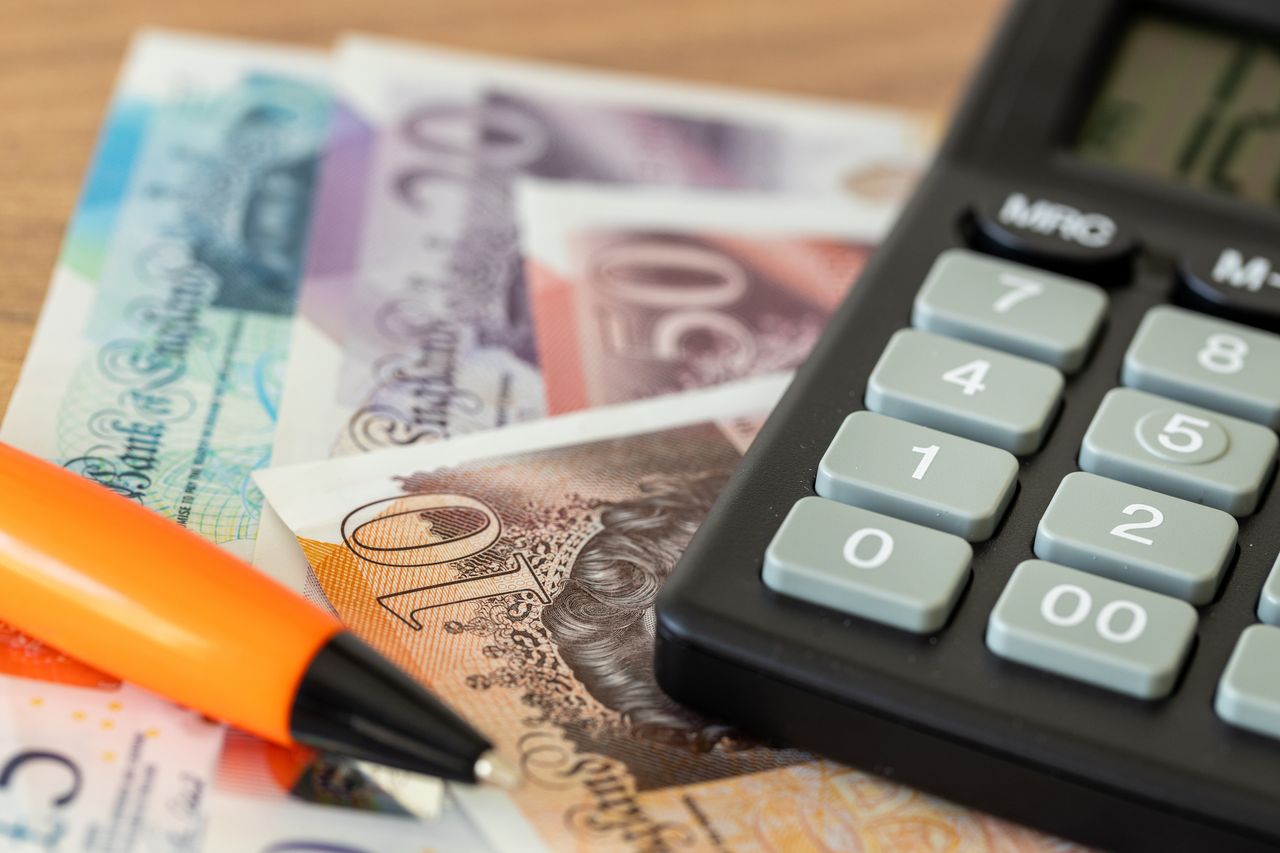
(462, 349)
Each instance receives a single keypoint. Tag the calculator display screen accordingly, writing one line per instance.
(1193, 105)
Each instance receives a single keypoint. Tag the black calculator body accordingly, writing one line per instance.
(1109, 144)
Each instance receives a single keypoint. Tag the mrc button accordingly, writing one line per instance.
(1237, 282)
(1074, 239)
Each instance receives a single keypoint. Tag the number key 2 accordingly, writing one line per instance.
(1130, 534)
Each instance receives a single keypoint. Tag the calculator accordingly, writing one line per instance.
(1012, 536)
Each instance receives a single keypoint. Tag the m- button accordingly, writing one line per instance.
(1048, 232)
(1239, 282)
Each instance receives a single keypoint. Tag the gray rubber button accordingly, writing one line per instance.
(965, 389)
(1249, 692)
(1179, 449)
(1210, 362)
(1012, 307)
(1092, 629)
(1137, 536)
(1269, 603)
(867, 564)
(918, 474)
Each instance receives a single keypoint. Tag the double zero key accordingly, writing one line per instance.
(1092, 629)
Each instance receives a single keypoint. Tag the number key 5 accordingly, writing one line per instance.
(1180, 450)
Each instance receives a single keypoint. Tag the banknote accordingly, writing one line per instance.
(636, 292)
(415, 323)
(105, 767)
(156, 370)
(515, 572)
(157, 365)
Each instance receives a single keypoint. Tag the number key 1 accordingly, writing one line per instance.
(918, 474)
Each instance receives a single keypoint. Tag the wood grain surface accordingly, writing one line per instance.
(58, 60)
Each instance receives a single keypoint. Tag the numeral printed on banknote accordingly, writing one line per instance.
(516, 573)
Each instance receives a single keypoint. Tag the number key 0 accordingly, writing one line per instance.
(867, 564)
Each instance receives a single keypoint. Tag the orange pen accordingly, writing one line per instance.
(104, 580)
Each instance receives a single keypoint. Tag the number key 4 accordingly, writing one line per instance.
(966, 390)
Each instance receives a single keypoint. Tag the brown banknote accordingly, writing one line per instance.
(521, 589)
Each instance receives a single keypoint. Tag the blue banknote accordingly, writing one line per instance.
(157, 368)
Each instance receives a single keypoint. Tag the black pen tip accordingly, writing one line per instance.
(353, 701)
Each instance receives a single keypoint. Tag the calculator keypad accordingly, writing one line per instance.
(1140, 537)
(1092, 629)
(1127, 545)
(918, 474)
(1179, 449)
(1225, 366)
(1249, 692)
(867, 564)
(1012, 307)
(1269, 603)
(964, 389)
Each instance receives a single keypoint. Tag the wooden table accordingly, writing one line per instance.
(58, 60)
